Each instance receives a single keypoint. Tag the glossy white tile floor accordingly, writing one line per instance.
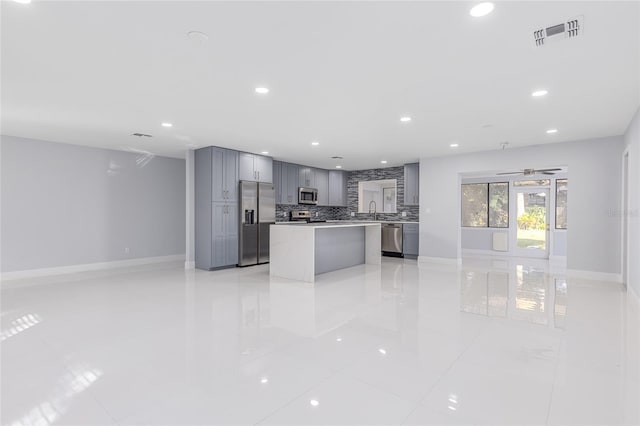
(493, 342)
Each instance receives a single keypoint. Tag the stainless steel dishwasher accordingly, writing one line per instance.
(392, 239)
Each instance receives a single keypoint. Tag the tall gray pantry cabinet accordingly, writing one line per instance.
(216, 208)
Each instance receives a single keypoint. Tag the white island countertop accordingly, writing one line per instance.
(346, 222)
(328, 224)
(300, 251)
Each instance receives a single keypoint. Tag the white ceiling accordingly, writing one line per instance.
(341, 73)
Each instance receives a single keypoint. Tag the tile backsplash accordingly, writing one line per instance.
(324, 212)
(344, 213)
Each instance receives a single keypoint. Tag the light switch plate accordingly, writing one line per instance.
(404, 214)
(353, 214)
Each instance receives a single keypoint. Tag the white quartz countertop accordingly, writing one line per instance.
(328, 224)
(370, 221)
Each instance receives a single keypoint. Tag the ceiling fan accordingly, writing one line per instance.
(529, 172)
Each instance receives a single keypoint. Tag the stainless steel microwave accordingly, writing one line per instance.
(307, 195)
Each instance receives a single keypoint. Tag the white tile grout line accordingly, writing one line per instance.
(555, 376)
(437, 382)
(295, 398)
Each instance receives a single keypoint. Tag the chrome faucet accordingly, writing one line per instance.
(375, 213)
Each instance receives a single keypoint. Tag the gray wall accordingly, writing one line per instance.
(67, 205)
(632, 143)
(593, 241)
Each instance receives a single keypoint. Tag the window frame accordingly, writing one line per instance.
(555, 219)
(488, 225)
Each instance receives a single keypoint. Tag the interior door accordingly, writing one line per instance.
(532, 222)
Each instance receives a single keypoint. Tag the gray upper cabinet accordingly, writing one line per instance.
(411, 184)
(277, 180)
(307, 177)
(264, 168)
(289, 184)
(216, 208)
(255, 167)
(337, 188)
(322, 184)
(224, 171)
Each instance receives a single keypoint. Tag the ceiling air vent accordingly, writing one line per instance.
(141, 135)
(571, 28)
(336, 157)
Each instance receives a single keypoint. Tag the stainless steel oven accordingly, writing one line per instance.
(307, 195)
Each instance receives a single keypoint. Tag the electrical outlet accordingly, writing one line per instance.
(404, 214)
(284, 214)
(353, 214)
(126, 250)
(316, 214)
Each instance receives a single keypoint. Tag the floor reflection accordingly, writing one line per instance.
(49, 411)
(517, 291)
(19, 325)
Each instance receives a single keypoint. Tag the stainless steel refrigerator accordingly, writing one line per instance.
(257, 213)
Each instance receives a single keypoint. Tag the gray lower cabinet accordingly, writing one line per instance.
(410, 240)
(224, 226)
(412, 184)
(254, 167)
(216, 208)
(322, 185)
(337, 188)
(289, 184)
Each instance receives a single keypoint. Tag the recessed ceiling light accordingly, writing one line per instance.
(382, 351)
(550, 131)
(264, 380)
(383, 161)
(315, 143)
(197, 36)
(405, 119)
(262, 90)
(454, 145)
(264, 152)
(167, 125)
(314, 402)
(22, 1)
(539, 93)
(481, 9)
(338, 167)
(338, 339)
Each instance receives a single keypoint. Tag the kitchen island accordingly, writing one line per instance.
(302, 251)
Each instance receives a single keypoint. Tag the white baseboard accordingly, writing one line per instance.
(481, 252)
(71, 269)
(189, 264)
(592, 275)
(439, 260)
